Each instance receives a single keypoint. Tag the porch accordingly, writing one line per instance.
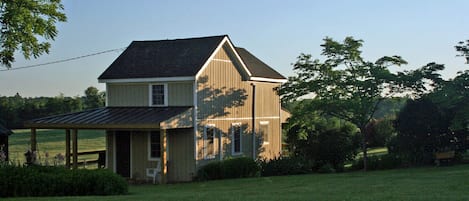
(114, 120)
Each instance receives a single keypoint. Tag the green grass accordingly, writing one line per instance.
(429, 183)
(53, 142)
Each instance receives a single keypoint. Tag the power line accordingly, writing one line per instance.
(64, 60)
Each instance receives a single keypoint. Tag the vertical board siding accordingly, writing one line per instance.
(224, 98)
(181, 161)
(122, 95)
(180, 94)
(139, 156)
(110, 150)
(127, 95)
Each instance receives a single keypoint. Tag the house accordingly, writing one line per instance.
(180, 104)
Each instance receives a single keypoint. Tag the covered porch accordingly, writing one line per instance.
(116, 121)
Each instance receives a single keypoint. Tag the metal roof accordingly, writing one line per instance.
(112, 118)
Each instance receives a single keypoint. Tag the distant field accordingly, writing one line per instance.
(53, 142)
(413, 184)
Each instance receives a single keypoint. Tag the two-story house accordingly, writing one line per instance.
(181, 104)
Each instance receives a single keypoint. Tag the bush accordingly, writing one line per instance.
(58, 181)
(327, 168)
(230, 168)
(284, 166)
(379, 162)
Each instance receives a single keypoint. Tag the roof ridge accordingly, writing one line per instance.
(177, 39)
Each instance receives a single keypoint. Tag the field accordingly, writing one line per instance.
(53, 142)
(429, 183)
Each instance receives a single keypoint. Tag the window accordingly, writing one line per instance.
(264, 132)
(159, 94)
(154, 145)
(236, 133)
(209, 141)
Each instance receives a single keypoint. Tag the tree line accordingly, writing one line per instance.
(14, 110)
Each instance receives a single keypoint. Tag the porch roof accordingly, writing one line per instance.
(119, 118)
(4, 131)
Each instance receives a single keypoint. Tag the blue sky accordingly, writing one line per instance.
(276, 31)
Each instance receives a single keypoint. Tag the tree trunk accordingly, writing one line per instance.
(364, 149)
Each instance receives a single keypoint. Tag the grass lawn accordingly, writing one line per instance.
(429, 183)
(53, 142)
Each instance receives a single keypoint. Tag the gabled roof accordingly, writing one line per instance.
(180, 58)
(119, 118)
(257, 67)
(162, 58)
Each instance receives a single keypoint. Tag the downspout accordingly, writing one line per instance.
(253, 121)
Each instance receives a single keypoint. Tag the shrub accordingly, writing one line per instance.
(326, 168)
(230, 168)
(379, 162)
(58, 181)
(284, 166)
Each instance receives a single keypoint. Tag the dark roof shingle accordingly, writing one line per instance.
(257, 67)
(162, 58)
(176, 58)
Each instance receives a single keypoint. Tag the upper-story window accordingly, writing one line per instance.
(159, 95)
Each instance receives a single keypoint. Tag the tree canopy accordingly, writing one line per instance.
(347, 86)
(26, 26)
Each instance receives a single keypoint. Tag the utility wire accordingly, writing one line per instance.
(64, 60)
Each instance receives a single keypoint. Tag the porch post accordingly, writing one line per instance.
(163, 155)
(33, 140)
(75, 148)
(67, 148)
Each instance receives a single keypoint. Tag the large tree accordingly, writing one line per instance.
(348, 87)
(26, 26)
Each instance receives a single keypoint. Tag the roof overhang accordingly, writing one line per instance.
(151, 79)
(119, 118)
(262, 79)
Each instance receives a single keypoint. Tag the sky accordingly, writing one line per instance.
(276, 31)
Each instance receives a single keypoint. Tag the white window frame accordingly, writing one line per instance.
(233, 125)
(263, 123)
(206, 156)
(150, 94)
(149, 148)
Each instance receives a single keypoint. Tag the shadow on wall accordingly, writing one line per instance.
(216, 101)
(227, 144)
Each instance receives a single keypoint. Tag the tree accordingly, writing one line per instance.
(463, 49)
(423, 128)
(93, 98)
(24, 24)
(350, 88)
(320, 139)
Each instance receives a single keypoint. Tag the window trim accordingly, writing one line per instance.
(149, 148)
(205, 154)
(233, 125)
(264, 123)
(150, 94)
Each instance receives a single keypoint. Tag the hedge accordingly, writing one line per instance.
(57, 181)
(230, 168)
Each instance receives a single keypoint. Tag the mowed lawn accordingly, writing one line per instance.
(53, 142)
(429, 183)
